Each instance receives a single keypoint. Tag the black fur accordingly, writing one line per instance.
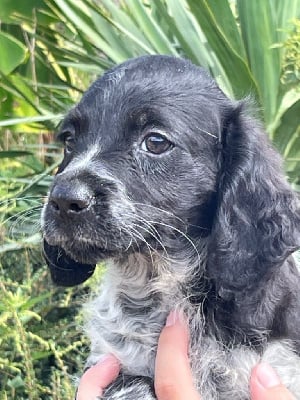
(221, 182)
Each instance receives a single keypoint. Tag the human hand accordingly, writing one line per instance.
(173, 377)
(97, 378)
(265, 384)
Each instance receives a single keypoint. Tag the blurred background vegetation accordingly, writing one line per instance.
(50, 50)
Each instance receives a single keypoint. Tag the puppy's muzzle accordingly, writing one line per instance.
(70, 199)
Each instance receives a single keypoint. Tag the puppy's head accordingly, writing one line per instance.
(140, 163)
(150, 151)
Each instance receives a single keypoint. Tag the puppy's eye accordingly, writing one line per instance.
(69, 144)
(156, 143)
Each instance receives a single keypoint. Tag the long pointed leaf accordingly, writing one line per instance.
(151, 29)
(122, 20)
(259, 30)
(235, 67)
(181, 26)
(76, 17)
(227, 23)
(288, 130)
(105, 29)
(29, 120)
(13, 53)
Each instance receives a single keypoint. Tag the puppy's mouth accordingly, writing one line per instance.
(82, 239)
(72, 262)
(80, 249)
(64, 270)
(72, 258)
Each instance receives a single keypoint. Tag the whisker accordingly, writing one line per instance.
(209, 133)
(21, 213)
(163, 247)
(132, 238)
(150, 230)
(21, 219)
(33, 199)
(171, 215)
(151, 224)
(160, 210)
(181, 233)
(140, 236)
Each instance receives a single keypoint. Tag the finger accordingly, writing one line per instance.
(173, 377)
(98, 377)
(265, 385)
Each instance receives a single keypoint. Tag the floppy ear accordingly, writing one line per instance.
(257, 222)
(65, 271)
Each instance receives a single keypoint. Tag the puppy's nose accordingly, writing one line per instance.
(68, 199)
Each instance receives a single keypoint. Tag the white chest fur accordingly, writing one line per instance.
(126, 318)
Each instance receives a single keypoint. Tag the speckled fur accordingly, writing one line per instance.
(208, 227)
(129, 313)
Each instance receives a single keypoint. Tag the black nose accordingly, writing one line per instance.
(70, 198)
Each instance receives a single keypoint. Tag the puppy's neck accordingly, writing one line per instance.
(137, 294)
(138, 274)
(155, 275)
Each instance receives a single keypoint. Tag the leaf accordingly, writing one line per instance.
(38, 178)
(108, 32)
(234, 66)
(289, 130)
(23, 92)
(14, 154)
(121, 18)
(151, 29)
(89, 68)
(286, 11)
(28, 242)
(9, 9)
(16, 382)
(259, 31)
(180, 23)
(39, 355)
(13, 53)
(35, 300)
(83, 23)
(228, 24)
(29, 120)
(28, 315)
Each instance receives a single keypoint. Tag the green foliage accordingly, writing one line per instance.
(248, 46)
(50, 51)
(40, 346)
(13, 53)
(291, 63)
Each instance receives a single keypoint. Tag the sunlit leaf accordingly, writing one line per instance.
(13, 53)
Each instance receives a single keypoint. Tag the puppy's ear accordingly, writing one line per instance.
(257, 222)
(65, 271)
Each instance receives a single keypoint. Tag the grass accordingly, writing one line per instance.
(42, 346)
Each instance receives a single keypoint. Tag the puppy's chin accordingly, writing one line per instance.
(64, 270)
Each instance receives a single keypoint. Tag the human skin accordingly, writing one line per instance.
(173, 377)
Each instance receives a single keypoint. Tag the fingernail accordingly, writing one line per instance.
(266, 376)
(172, 318)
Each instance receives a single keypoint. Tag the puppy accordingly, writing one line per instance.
(178, 189)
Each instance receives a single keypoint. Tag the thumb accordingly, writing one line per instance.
(96, 378)
(173, 376)
(266, 385)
